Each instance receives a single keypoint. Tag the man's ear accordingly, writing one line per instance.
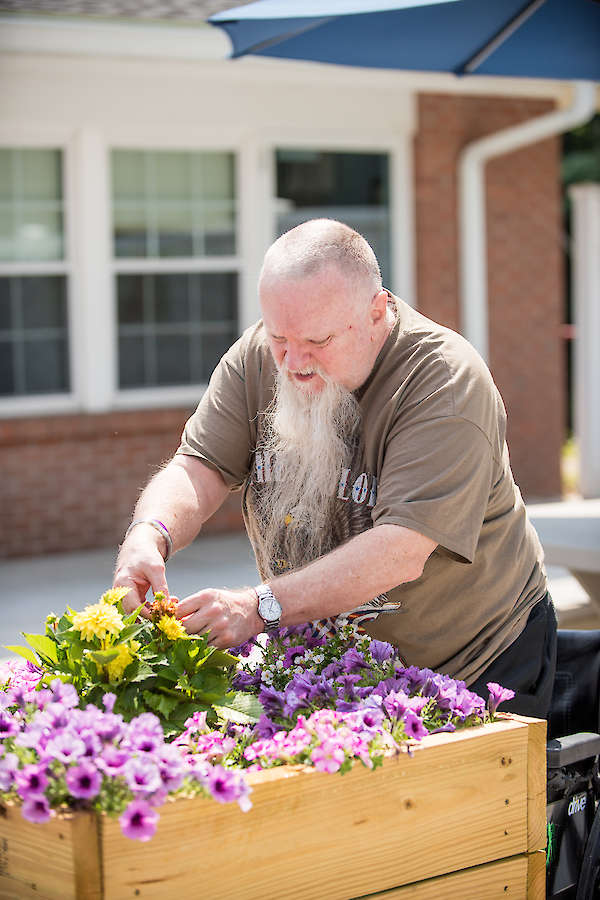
(379, 307)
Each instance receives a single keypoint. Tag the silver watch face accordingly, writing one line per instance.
(269, 608)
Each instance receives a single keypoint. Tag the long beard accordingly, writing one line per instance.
(313, 438)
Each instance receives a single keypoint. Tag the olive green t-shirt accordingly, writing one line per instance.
(432, 457)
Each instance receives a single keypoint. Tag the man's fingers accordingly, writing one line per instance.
(192, 604)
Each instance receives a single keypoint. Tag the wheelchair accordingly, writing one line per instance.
(573, 757)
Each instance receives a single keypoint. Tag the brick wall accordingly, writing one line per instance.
(71, 482)
(525, 279)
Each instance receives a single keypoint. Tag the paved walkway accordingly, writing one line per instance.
(30, 588)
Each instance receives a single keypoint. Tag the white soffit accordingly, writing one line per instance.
(39, 35)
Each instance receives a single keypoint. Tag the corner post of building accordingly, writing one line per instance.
(585, 245)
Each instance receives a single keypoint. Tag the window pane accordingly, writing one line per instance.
(351, 187)
(219, 231)
(171, 298)
(218, 176)
(171, 175)
(44, 302)
(218, 296)
(132, 369)
(174, 327)
(40, 235)
(130, 298)
(7, 374)
(8, 234)
(173, 359)
(31, 205)
(6, 314)
(40, 174)
(130, 231)
(173, 203)
(213, 347)
(45, 366)
(6, 174)
(34, 326)
(174, 231)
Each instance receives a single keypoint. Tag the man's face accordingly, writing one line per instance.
(315, 325)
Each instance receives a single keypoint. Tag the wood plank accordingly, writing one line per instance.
(36, 860)
(503, 878)
(536, 875)
(87, 856)
(459, 801)
(536, 783)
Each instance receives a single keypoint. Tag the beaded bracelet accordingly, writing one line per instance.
(158, 525)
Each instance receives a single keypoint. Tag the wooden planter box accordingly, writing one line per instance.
(463, 817)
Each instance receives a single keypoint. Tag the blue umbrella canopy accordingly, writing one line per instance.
(539, 39)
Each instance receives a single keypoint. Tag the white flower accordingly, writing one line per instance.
(279, 664)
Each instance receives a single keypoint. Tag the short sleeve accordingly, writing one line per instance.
(219, 432)
(436, 478)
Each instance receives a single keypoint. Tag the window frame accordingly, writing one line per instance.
(63, 401)
(90, 268)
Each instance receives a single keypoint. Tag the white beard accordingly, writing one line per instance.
(312, 435)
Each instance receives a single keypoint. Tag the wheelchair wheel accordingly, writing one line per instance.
(588, 884)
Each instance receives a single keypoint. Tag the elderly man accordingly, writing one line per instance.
(370, 446)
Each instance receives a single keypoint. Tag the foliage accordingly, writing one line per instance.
(151, 665)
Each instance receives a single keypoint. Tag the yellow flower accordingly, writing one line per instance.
(98, 621)
(172, 627)
(118, 665)
(114, 595)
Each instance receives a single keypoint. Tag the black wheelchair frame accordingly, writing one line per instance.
(573, 759)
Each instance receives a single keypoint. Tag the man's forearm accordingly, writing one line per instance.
(367, 565)
(182, 496)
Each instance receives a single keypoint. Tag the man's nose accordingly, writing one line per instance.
(297, 358)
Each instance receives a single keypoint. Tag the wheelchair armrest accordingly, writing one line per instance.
(571, 749)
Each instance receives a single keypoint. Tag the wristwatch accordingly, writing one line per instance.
(269, 607)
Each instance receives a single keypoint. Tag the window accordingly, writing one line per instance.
(34, 331)
(351, 187)
(174, 244)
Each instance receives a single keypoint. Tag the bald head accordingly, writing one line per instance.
(320, 244)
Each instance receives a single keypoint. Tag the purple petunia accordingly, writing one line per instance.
(142, 775)
(36, 809)
(31, 781)
(84, 780)
(498, 695)
(139, 821)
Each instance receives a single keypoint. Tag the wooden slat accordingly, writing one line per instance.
(459, 801)
(536, 875)
(536, 784)
(87, 856)
(36, 860)
(504, 878)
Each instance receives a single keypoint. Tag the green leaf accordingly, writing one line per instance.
(130, 619)
(102, 657)
(217, 658)
(160, 703)
(241, 708)
(42, 644)
(24, 651)
(130, 631)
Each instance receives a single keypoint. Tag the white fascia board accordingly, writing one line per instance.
(93, 37)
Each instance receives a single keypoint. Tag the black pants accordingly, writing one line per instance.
(528, 666)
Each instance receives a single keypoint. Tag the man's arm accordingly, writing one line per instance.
(367, 565)
(182, 496)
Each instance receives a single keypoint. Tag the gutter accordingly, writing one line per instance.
(472, 218)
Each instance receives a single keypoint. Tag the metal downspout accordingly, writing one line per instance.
(472, 218)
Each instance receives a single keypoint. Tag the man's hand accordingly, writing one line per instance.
(140, 567)
(229, 617)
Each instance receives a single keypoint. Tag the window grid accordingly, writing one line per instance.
(36, 357)
(189, 343)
